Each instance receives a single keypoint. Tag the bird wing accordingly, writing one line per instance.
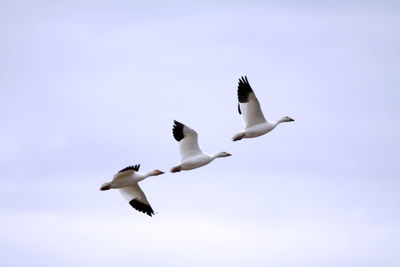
(133, 168)
(137, 199)
(187, 138)
(249, 107)
(130, 170)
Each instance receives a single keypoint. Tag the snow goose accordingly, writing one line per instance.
(191, 155)
(249, 108)
(126, 180)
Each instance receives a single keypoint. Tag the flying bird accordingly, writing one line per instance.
(250, 109)
(126, 180)
(191, 155)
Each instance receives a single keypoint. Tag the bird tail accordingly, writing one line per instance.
(105, 186)
(176, 169)
(238, 136)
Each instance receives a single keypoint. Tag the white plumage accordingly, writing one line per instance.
(253, 117)
(191, 155)
(126, 180)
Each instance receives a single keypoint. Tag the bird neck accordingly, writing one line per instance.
(283, 119)
(218, 155)
(148, 174)
(142, 176)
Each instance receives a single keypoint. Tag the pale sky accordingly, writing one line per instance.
(87, 89)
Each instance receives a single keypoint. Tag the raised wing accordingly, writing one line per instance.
(124, 173)
(134, 168)
(187, 138)
(249, 107)
(137, 199)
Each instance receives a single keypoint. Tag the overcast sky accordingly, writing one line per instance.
(90, 87)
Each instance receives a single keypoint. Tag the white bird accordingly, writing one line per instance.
(249, 107)
(191, 155)
(126, 180)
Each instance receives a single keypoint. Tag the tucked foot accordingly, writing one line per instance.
(238, 137)
(176, 169)
(105, 187)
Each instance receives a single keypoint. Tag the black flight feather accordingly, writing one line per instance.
(240, 112)
(177, 131)
(244, 89)
(135, 168)
(136, 204)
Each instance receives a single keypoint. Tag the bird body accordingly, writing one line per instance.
(197, 161)
(259, 129)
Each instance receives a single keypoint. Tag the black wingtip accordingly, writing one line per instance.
(240, 112)
(244, 90)
(133, 167)
(142, 207)
(177, 131)
(243, 80)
